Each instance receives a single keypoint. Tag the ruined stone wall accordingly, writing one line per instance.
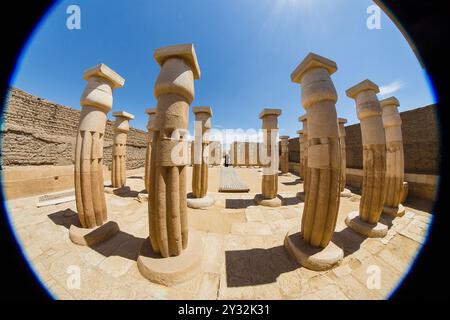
(420, 137)
(39, 132)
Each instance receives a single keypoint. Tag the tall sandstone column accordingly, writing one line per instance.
(374, 161)
(344, 192)
(312, 246)
(96, 101)
(199, 198)
(150, 124)
(119, 152)
(172, 254)
(269, 159)
(284, 158)
(395, 163)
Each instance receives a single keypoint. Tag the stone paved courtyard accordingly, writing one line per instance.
(244, 256)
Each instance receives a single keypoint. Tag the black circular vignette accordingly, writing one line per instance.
(427, 26)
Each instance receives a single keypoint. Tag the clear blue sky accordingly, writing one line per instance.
(246, 49)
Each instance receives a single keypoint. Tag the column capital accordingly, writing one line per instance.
(182, 51)
(284, 137)
(101, 82)
(302, 118)
(391, 101)
(150, 111)
(311, 61)
(269, 112)
(341, 122)
(365, 85)
(300, 132)
(122, 125)
(389, 113)
(103, 71)
(123, 114)
(206, 110)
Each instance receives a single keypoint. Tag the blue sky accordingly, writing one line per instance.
(246, 49)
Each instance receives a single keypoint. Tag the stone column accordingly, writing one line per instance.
(395, 165)
(269, 159)
(150, 124)
(304, 156)
(119, 152)
(247, 154)
(374, 161)
(253, 154)
(301, 142)
(234, 153)
(199, 198)
(312, 245)
(215, 153)
(344, 192)
(241, 153)
(191, 152)
(96, 101)
(172, 253)
(284, 158)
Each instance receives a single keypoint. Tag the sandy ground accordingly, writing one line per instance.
(243, 252)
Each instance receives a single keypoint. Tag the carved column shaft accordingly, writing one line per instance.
(374, 150)
(269, 152)
(151, 123)
(200, 169)
(95, 101)
(322, 184)
(395, 166)
(342, 135)
(284, 158)
(119, 152)
(174, 90)
(304, 157)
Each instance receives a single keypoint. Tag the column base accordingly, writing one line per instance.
(89, 237)
(354, 222)
(301, 195)
(394, 212)
(172, 270)
(142, 197)
(313, 258)
(346, 193)
(116, 190)
(274, 202)
(200, 203)
(404, 192)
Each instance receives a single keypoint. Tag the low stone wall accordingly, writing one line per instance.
(38, 132)
(28, 181)
(38, 145)
(422, 186)
(421, 150)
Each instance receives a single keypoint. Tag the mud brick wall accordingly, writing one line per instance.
(38, 132)
(420, 140)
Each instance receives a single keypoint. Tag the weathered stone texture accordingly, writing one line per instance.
(420, 141)
(39, 132)
(420, 131)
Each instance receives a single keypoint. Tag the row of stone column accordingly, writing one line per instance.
(96, 101)
(171, 253)
(214, 153)
(322, 149)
